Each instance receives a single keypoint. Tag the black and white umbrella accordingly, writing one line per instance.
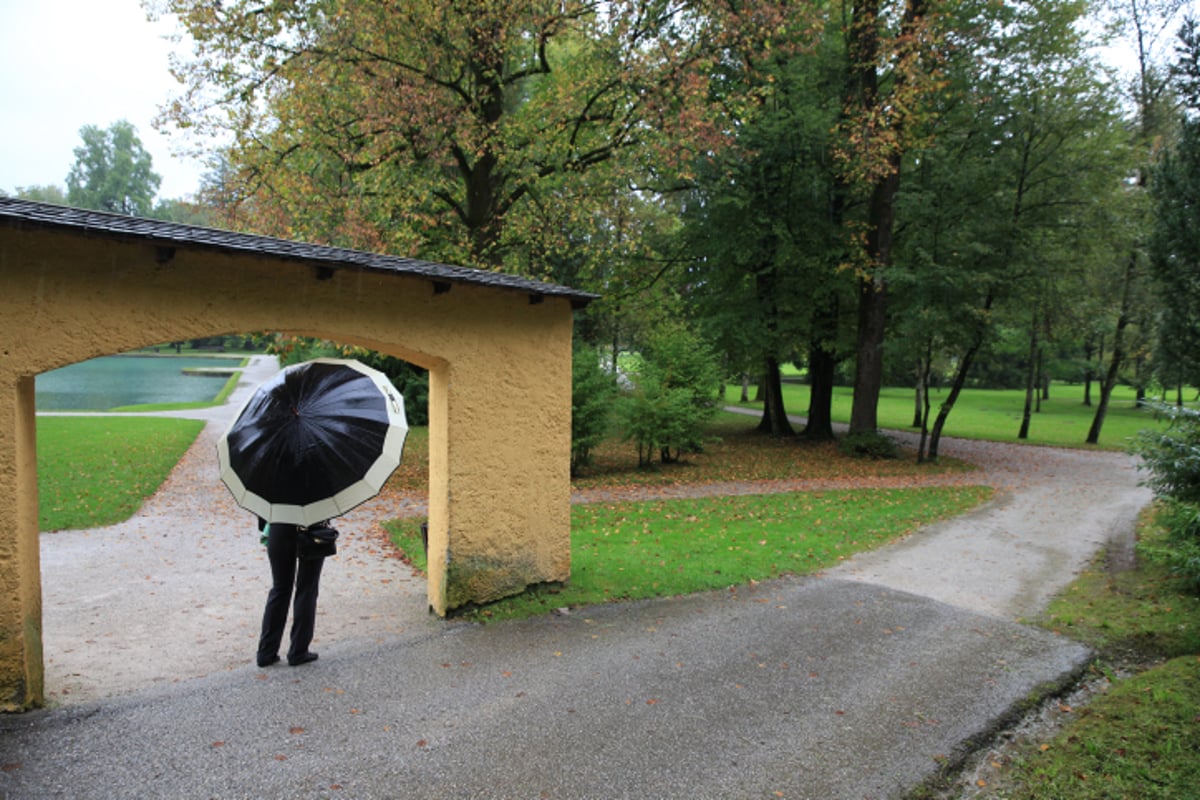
(314, 441)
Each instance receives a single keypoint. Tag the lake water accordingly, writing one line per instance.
(112, 381)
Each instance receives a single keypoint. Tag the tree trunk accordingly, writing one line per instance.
(1114, 366)
(956, 386)
(923, 410)
(822, 366)
(872, 310)
(774, 419)
(1088, 372)
(1030, 373)
(921, 390)
(745, 387)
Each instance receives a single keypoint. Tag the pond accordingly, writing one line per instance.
(125, 380)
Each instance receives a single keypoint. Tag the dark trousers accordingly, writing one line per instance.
(288, 572)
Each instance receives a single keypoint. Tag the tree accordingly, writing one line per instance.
(674, 395)
(430, 127)
(763, 233)
(1144, 21)
(593, 390)
(41, 194)
(893, 57)
(112, 172)
(1010, 197)
(1174, 248)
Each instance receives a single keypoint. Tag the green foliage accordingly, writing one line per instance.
(411, 381)
(628, 551)
(674, 396)
(1173, 458)
(1175, 240)
(112, 172)
(41, 194)
(593, 390)
(870, 444)
(95, 471)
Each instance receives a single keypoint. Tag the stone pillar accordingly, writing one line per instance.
(21, 669)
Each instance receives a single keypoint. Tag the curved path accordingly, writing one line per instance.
(856, 683)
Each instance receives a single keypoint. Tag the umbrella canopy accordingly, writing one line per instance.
(313, 442)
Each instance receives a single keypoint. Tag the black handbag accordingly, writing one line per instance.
(316, 541)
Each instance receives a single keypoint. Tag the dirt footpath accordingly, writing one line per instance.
(177, 591)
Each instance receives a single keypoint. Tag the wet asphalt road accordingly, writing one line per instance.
(805, 688)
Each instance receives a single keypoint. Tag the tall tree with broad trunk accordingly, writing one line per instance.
(893, 71)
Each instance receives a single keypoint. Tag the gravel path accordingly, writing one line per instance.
(176, 592)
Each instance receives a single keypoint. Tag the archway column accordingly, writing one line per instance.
(21, 669)
(499, 466)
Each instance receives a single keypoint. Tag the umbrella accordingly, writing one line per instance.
(314, 441)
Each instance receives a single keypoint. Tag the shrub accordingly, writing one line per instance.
(1173, 458)
(593, 390)
(868, 445)
(674, 396)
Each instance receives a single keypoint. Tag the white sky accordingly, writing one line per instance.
(69, 63)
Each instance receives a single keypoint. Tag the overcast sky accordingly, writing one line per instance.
(69, 63)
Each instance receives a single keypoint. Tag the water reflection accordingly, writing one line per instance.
(113, 381)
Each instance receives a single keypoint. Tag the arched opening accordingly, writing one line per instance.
(176, 590)
(498, 349)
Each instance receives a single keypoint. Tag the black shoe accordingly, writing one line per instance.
(266, 662)
(303, 658)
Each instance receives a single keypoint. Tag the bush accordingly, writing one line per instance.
(1173, 459)
(868, 445)
(592, 392)
(674, 396)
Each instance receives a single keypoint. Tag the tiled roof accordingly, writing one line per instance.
(26, 214)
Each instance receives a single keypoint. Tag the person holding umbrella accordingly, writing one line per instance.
(310, 444)
(289, 570)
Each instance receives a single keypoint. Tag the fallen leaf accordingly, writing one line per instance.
(296, 729)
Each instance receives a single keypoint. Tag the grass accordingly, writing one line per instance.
(995, 414)
(96, 471)
(630, 551)
(1138, 739)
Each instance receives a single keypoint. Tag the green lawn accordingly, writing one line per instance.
(629, 551)
(95, 471)
(994, 414)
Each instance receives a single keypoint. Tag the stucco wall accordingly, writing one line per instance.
(499, 395)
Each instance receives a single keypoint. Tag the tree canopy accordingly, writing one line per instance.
(112, 171)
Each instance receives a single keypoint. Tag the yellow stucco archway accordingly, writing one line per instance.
(79, 284)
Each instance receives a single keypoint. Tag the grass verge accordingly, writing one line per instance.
(1138, 738)
(629, 551)
(96, 471)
